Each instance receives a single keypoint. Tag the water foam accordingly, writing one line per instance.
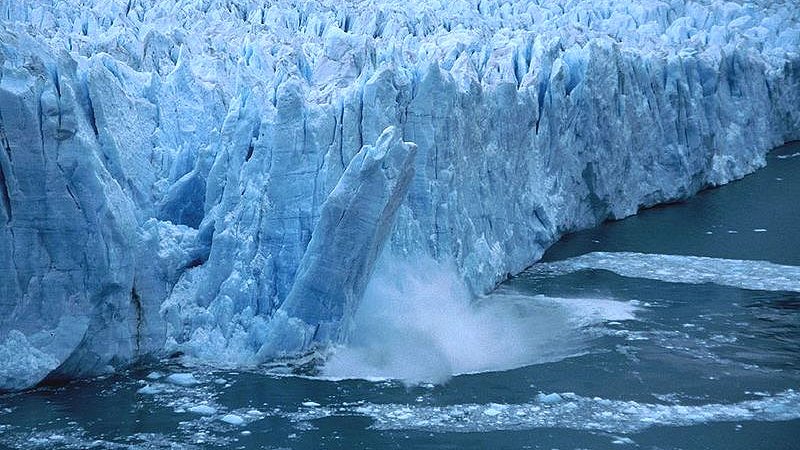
(418, 323)
(745, 274)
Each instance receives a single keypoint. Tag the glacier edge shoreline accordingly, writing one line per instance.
(160, 183)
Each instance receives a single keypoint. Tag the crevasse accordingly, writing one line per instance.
(171, 171)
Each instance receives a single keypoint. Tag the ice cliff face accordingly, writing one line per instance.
(213, 177)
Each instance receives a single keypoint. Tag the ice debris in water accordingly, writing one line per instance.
(204, 410)
(493, 410)
(182, 164)
(183, 379)
(572, 411)
(150, 389)
(233, 419)
(549, 398)
(757, 275)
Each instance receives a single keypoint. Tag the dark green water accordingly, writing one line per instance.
(650, 357)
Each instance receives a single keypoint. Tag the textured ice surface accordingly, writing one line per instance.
(164, 165)
(758, 275)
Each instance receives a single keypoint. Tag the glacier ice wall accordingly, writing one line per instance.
(165, 165)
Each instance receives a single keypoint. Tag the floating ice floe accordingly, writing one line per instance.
(204, 410)
(182, 379)
(233, 419)
(150, 389)
(745, 274)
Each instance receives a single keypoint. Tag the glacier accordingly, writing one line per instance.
(220, 179)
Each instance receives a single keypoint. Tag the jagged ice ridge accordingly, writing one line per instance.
(171, 171)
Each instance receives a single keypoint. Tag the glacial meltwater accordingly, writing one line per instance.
(675, 328)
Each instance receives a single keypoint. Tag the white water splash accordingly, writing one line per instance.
(418, 323)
